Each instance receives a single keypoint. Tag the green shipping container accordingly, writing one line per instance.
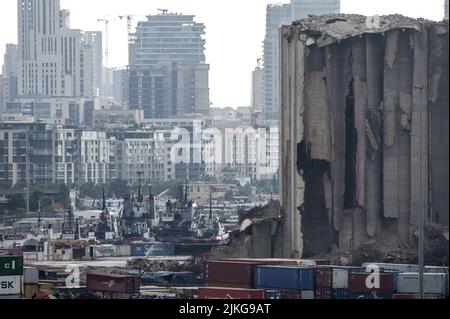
(11, 265)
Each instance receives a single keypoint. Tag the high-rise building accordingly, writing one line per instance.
(278, 15)
(446, 10)
(51, 60)
(167, 74)
(118, 85)
(8, 79)
(93, 40)
(302, 8)
(258, 88)
(10, 65)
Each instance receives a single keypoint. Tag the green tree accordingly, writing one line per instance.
(118, 187)
(16, 202)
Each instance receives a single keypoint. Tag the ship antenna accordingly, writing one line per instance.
(39, 213)
(140, 187)
(210, 203)
(104, 200)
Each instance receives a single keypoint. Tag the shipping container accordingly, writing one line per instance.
(266, 261)
(229, 272)
(339, 294)
(324, 277)
(435, 269)
(30, 275)
(112, 283)
(323, 292)
(229, 285)
(30, 290)
(357, 283)
(230, 293)
(408, 268)
(298, 278)
(386, 267)
(152, 249)
(10, 285)
(291, 294)
(11, 265)
(307, 294)
(340, 278)
(433, 283)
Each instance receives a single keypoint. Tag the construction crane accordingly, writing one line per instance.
(129, 18)
(106, 22)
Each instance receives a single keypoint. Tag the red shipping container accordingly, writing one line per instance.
(242, 273)
(113, 283)
(323, 293)
(324, 277)
(287, 294)
(357, 283)
(230, 293)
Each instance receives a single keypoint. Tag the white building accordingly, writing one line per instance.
(52, 61)
(144, 157)
(95, 156)
(66, 156)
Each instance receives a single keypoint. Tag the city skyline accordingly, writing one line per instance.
(214, 15)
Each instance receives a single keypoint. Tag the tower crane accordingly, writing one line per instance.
(129, 18)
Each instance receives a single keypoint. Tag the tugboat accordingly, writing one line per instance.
(189, 229)
(138, 216)
(106, 229)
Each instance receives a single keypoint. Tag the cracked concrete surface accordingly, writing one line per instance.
(352, 101)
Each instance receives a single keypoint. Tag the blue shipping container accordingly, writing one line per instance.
(152, 249)
(277, 277)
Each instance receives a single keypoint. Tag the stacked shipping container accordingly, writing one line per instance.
(11, 275)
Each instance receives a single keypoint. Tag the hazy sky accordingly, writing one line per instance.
(234, 31)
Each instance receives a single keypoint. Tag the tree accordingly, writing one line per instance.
(118, 187)
(16, 202)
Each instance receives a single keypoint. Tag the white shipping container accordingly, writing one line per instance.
(340, 279)
(436, 269)
(10, 285)
(30, 275)
(432, 283)
(307, 294)
(395, 267)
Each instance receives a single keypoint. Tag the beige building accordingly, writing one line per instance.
(201, 192)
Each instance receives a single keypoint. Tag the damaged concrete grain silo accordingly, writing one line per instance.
(355, 96)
